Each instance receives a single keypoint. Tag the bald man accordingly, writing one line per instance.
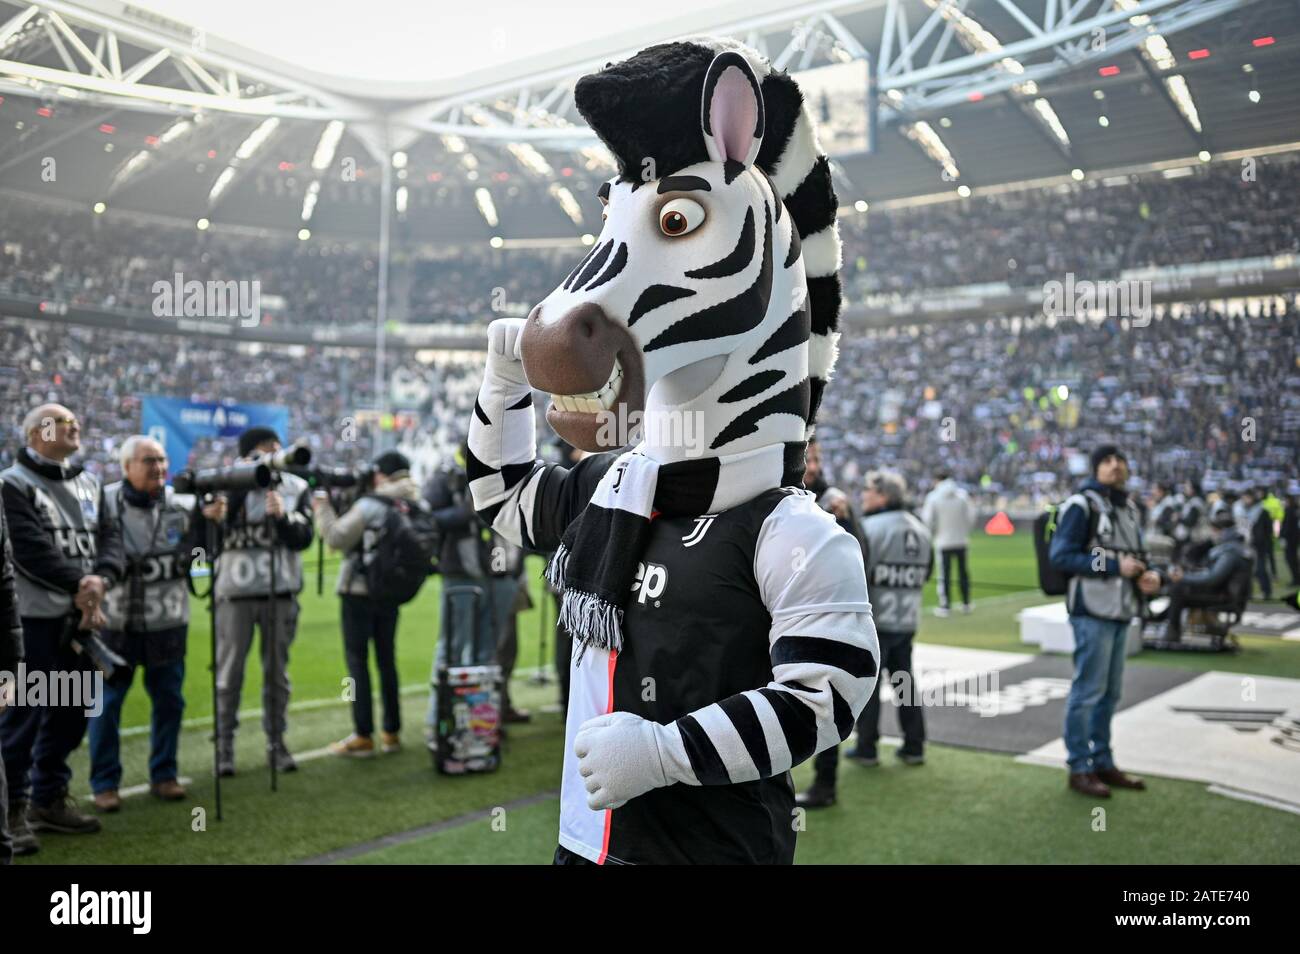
(68, 554)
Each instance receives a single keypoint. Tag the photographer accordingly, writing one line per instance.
(899, 558)
(148, 619)
(1098, 544)
(259, 524)
(68, 553)
(356, 533)
(1223, 579)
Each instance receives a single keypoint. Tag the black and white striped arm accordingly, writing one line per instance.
(825, 659)
(502, 464)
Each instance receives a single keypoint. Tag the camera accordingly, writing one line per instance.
(246, 476)
(288, 458)
(336, 478)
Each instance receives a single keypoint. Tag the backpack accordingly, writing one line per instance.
(404, 553)
(1051, 580)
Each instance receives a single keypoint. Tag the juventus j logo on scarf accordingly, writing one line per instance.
(596, 562)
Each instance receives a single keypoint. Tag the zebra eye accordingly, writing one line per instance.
(680, 216)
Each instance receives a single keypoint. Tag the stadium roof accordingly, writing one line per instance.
(105, 102)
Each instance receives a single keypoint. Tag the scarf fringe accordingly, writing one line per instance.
(556, 567)
(592, 621)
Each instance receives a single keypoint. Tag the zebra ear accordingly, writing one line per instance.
(731, 113)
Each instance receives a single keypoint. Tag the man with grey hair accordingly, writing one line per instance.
(68, 554)
(148, 619)
(898, 556)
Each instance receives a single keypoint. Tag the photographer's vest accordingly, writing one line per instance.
(69, 509)
(154, 595)
(352, 571)
(1119, 534)
(898, 561)
(244, 566)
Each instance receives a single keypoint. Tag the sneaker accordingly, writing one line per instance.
(942, 612)
(108, 801)
(284, 762)
(966, 609)
(867, 759)
(354, 746)
(62, 816)
(818, 795)
(910, 758)
(390, 742)
(24, 839)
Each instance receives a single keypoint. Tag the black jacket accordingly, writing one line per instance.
(11, 628)
(1227, 570)
(447, 494)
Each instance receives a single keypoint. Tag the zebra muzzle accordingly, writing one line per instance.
(593, 369)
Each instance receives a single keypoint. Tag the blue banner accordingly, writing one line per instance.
(179, 424)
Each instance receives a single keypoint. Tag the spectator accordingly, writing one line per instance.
(950, 515)
(11, 654)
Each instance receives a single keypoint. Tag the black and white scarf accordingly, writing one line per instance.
(595, 566)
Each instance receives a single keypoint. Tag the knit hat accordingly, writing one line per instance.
(1101, 453)
(391, 462)
(249, 440)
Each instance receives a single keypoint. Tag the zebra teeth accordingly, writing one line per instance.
(593, 402)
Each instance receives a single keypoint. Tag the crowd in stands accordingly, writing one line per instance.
(1217, 211)
(1011, 406)
(1220, 211)
(104, 374)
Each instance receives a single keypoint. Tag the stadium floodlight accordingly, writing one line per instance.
(218, 187)
(257, 137)
(1253, 96)
(304, 234)
(923, 134)
(530, 159)
(99, 208)
(1052, 121)
(588, 238)
(175, 131)
(327, 144)
(309, 200)
(861, 205)
(131, 167)
(568, 203)
(453, 143)
(487, 208)
(202, 225)
(400, 198)
(1076, 175)
(1182, 97)
(1203, 155)
(399, 160)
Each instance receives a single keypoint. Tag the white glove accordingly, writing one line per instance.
(619, 758)
(504, 357)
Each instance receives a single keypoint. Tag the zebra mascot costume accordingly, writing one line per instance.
(721, 626)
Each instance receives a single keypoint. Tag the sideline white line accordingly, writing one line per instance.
(306, 705)
(1264, 800)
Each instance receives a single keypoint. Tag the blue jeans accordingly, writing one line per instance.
(163, 683)
(467, 641)
(1099, 646)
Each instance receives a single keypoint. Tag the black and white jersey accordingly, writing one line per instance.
(750, 630)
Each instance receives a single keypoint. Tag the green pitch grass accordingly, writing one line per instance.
(963, 806)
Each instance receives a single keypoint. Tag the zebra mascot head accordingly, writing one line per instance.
(709, 304)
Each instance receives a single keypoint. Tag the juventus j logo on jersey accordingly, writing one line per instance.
(702, 524)
(622, 469)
